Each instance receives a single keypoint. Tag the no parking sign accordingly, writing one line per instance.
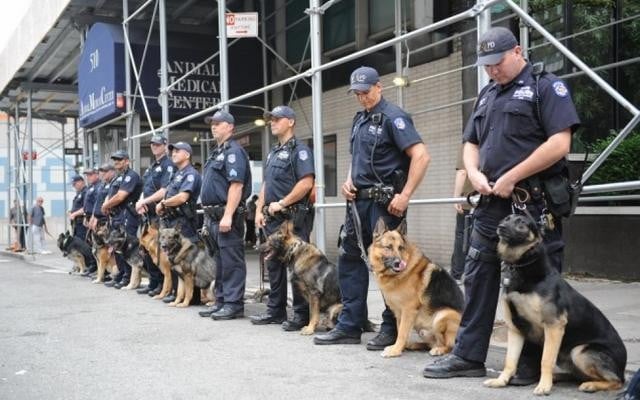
(241, 25)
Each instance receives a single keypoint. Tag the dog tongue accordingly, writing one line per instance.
(402, 266)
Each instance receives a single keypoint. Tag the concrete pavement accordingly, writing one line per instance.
(63, 338)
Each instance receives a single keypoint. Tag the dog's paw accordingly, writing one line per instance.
(438, 351)
(307, 330)
(96, 281)
(543, 388)
(588, 387)
(495, 383)
(391, 351)
(172, 304)
(182, 305)
(159, 296)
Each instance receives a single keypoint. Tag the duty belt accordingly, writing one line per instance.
(377, 193)
(217, 212)
(287, 212)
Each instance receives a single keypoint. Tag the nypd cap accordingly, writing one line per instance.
(493, 44)
(363, 78)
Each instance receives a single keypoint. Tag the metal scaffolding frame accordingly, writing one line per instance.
(480, 11)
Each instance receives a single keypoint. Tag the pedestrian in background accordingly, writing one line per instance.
(38, 226)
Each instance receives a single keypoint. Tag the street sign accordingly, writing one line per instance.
(241, 25)
(74, 151)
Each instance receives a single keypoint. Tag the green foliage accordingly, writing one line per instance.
(622, 165)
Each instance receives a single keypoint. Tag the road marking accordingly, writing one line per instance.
(55, 271)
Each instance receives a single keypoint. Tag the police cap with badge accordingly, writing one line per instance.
(494, 44)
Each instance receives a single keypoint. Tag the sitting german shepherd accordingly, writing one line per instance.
(128, 246)
(542, 308)
(421, 295)
(309, 270)
(192, 262)
(76, 250)
(106, 260)
(149, 240)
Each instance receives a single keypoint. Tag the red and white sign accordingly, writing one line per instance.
(240, 25)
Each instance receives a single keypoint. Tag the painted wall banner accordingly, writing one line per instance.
(240, 25)
(100, 74)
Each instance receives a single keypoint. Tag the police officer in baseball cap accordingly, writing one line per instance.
(517, 137)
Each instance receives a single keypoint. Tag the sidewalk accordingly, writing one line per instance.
(619, 301)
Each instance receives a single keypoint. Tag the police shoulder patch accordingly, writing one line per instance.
(127, 178)
(399, 123)
(231, 158)
(560, 89)
(190, 178)
(303, 155)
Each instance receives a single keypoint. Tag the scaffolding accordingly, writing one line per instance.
(480, 12)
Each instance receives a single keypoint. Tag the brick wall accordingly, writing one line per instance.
(431, 226)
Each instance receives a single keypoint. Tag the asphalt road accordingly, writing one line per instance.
(62, 337)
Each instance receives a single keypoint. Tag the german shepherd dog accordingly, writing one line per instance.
(149, 240)
(192, 262)
(309, 270)
(76, 250)
(105, 258)
(542, 308)
(421, 294)
(121, 242)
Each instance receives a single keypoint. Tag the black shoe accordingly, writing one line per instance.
(169, 298)
(215, 308)
(267, 318)
(121, 284)
(110, 283)
(525, 375)
(297, 323)
(451, 366)
(143, 290)
(336, 336)
(155, 292)
(229, 311)
(382, 340)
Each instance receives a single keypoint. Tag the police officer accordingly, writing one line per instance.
(88, 207)
(517, 137)
(178, 206)
(226, 185)
(288, 180)
(388, 163)
(76, 215)
(155, 178)
(120, 205)
(106, 173)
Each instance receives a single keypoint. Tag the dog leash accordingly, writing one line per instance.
(357, 227)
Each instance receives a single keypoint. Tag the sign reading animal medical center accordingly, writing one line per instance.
(101, 78)
(240, 25)
(100, 74)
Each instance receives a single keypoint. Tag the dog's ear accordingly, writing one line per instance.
(380, 229)
(402, 228)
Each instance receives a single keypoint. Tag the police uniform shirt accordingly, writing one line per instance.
(102, 191)
(185, 180)
(128, 181)
(90, 198)
(228, 163)
(505, 122)
(379, 138)
(157, 176)
(286, 165)
(78, 200)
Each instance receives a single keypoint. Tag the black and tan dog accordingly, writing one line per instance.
(149, 239)
(542, 308)
(104, 257)
(310, 271)
(77, 251)
(421, 295)
(192, 262)
(121, 242)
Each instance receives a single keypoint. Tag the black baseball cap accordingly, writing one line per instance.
(220, 116)
(493, 44)
(119, 155)
(158, 139)
(181, 146)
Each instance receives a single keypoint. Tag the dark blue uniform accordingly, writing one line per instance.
(79, 230)
(157, 176)
(185, 180)
(509, 123)
(228, 163)
(102, 191)
(90, 199)
(286, 165)
(125, 213)
(379, 139)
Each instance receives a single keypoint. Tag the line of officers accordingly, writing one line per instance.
(517, 136)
